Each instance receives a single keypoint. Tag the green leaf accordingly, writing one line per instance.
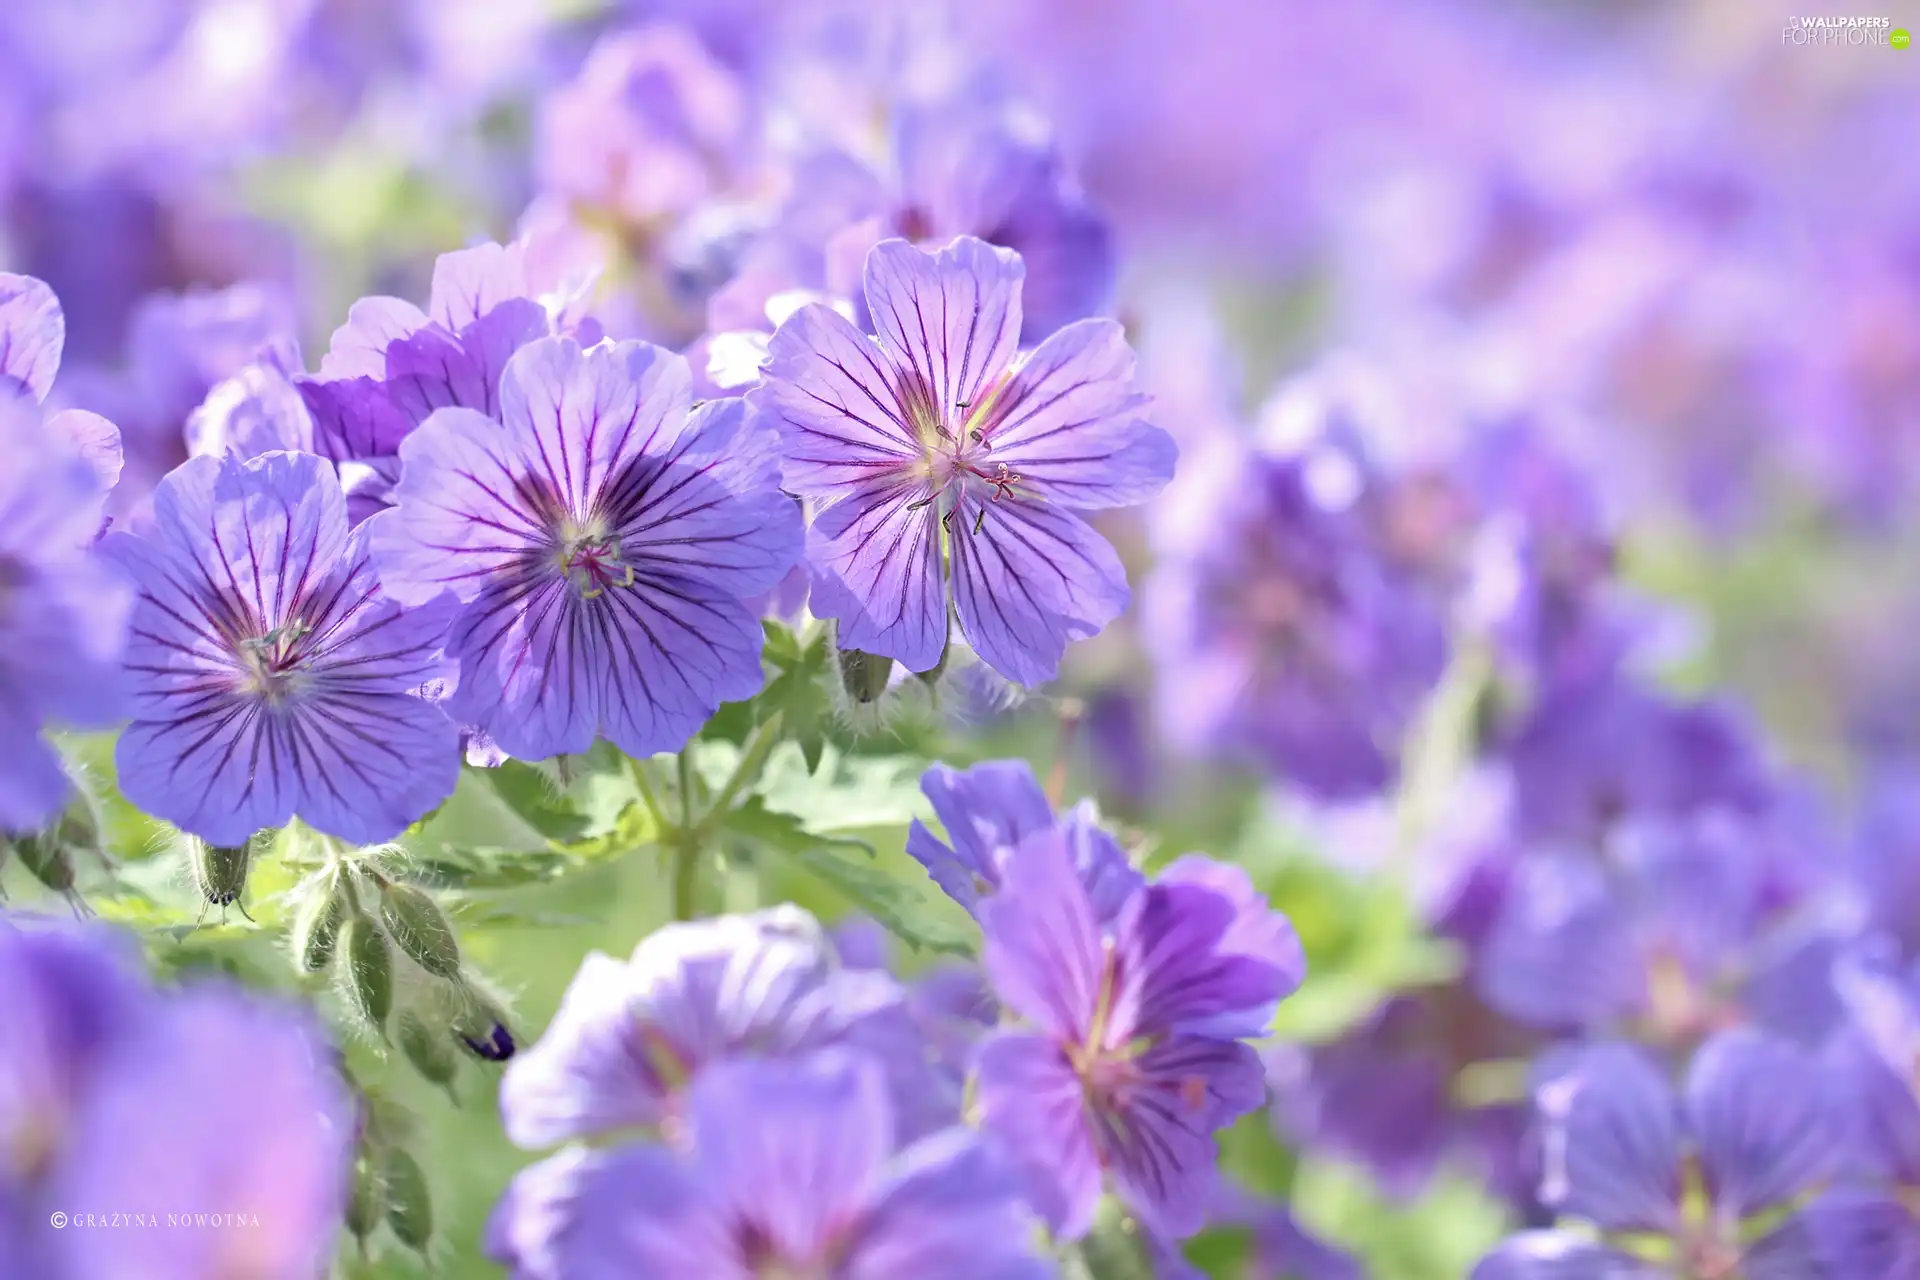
(536, 801)
(846, 864)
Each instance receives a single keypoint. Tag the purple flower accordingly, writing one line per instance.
(630, 1038)
(789, 1168)
(391, 365)
(935, 435)
(106, 1087)
(987, 810)
(651, 128)
(62, 614)
(271, 677)
(1283, 630)
(1751, 1131)
(602, 541)
(1132, 1055)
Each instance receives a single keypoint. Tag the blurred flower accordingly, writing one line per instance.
(602, 541)
(1705, 1183)
(1132, 1052)
(630, 1039)
(271, 677)
(105, 1085)
(789, 1167)
(937, 428)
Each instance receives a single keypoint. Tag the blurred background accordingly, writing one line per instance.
(1548, 385)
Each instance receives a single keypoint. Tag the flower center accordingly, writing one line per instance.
(589, 558)
(273, 664)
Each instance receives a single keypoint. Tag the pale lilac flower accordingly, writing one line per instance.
(934, 436)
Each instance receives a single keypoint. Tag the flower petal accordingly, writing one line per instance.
(470, 284)
(1612, 1139)
(796, 1147)
(433, 369)
(96, 440)
(876, 561)
(1155, 1135)
(467, 513)
(711, 506)
(1064, 422)
(673, 649)
(33, 330)
(986, 810)
(583, 414)
(353, 417)
(1765, 1123)
(359, 347)
(954, 1211)
(587, 1073)
(1043, 948)
(952, 318)
(610, 1215)
(1864, 1232)
(1561, 954)
(1032, 579)
(1559, 1255)
(835, 401)
(1034, 1105)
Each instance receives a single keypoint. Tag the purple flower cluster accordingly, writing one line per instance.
(187, 1133)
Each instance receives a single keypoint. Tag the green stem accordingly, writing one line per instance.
(686, 790)
(686, 873)
(643, 783)
(752, 761)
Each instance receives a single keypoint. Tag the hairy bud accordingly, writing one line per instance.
(409, 1203)
(369, 969)
(421, 929)
(483, 1028)
(47, 858)
(430, 1053)
(864, 675)
(316, 925)
(220, 872)
(367, 1202)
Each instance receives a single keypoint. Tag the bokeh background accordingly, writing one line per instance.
(1547, 378)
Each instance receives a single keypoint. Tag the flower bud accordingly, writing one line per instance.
(420, 927)
(864, 675)
(409, 1203)
(483, 1028)
(316, 925)
(931, 676)
(367, 1203)
(430, 1053)
(220, 872)
(47, 858)
(369, 969)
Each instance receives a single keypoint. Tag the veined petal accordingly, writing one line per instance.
(711, 506)
(353, 417)
(434, 368)
(876, 561)
(359, 347)
(214, 767)
(261, 532)
(1155, 1133)
(531, 665)
(1859, 1231)
(674, 649)
(986, 810)
(1064, 422)
(836, 402)
(1562, 952)
(1043, 946)
(1034, 1105)
(468, 512)
(33, 785)
(1560, 1255)
(609, 1215)
(582, 414)
(1763, 1118)
(1032, 579)
(96, 440)
(470, 284)
(1612, 1139)
(33, 330)
(588, 1073)
(952, 318)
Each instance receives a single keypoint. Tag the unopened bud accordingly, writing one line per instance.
(430, 1053)
(46, 857)
(369, 969)
(420, 927)
(220, 872)
(932, 674)
(367, 1203)
(483, 1029)
(409, 1203)
(864, 675)
(316, 925)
